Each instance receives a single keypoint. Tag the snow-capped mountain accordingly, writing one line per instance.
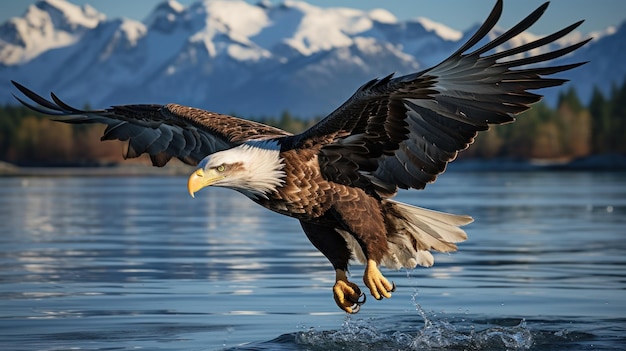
(234, 57)
(45, 26)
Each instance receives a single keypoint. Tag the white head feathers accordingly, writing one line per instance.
(254, 168)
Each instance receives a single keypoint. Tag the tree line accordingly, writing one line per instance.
(570, 130)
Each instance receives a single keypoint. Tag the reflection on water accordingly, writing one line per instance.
(122, 263)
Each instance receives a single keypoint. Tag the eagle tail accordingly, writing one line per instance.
(413, 232)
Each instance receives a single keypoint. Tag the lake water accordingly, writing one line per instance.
(133, 263)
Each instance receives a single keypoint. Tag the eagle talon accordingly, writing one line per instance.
(361, 300)
(356, 307)
(347, 295)
(379, 285)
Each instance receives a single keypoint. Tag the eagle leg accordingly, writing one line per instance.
(379, 285)
(347, 295)
(325, 238)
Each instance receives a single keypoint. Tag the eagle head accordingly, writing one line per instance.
(253, 168)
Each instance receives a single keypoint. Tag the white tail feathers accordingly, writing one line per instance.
(415, 231)
(412, 233)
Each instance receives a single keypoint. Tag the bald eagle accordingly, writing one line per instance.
(338, 177)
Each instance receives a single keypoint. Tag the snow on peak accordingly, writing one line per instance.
(441, 30)
(132, 30)
(235, 17)
(65, 15)
(175, 5)
(382, 16)
(46, 25)
(164, 15)
(312, 29)
(596, 35)
(225, 27)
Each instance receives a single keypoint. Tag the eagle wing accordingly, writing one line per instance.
(162, 131)
(402, 132)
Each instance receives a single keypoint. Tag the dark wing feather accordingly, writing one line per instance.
(162, 131)
(402, 132)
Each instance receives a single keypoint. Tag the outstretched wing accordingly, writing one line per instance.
(162, 131)
(402, 132)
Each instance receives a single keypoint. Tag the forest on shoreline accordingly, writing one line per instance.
(569, 131)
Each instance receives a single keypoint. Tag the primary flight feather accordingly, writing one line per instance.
(338, 177)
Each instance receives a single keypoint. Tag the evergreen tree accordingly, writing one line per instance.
(601, 121)
(617, 136)
(574, 125)
(570, 97)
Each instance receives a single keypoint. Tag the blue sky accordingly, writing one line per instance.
(457, 14)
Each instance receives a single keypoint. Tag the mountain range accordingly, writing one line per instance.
(247, 59)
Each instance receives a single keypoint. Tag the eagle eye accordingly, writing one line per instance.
(221, 168)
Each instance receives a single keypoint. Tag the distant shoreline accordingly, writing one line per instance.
(605, 162)
(117, 170)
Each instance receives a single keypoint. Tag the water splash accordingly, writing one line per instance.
(355, 334)
(434, 334)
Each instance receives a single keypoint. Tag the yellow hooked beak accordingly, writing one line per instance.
(200, 179)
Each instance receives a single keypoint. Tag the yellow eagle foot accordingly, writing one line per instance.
(379, 285)
(347, 295)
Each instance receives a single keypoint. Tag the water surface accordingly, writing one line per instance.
(121, 263)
